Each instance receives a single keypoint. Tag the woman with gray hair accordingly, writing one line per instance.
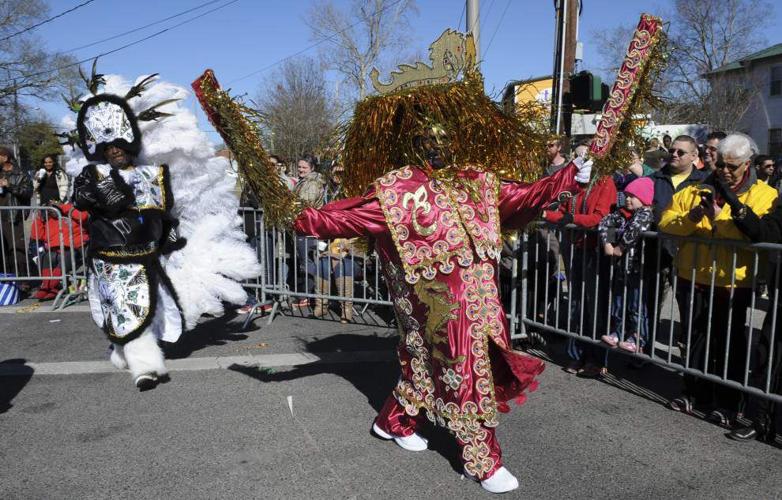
(715, 278)
(768, 355)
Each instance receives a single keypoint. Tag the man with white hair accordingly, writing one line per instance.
(703, 211)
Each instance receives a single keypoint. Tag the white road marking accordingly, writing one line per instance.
(199, 364)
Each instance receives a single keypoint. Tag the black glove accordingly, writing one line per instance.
(566, 219)
(171, 241)
(85, 195)
(113, 193)
(729, 196)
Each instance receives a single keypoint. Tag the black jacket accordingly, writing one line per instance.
(664, 190)
(18, 192)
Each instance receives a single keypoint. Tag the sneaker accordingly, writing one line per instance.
(248, 308)
(611, 339)
(720, 417)
(413, 442)
(682, 404)
(146, 381)
(305, 302)
(502, 481)
(630, 345)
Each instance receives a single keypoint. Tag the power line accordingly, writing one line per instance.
(178, 14)
(496, 29)
(329, 39)
(30, 28)
(461, 16)
(130, 44)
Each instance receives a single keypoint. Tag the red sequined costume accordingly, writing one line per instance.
(438, 236)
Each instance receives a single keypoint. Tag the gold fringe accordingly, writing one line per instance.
(243, 137)
(380, 136)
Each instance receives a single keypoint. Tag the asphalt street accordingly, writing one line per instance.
(284, 410)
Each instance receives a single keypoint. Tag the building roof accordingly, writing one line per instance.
(773, 51)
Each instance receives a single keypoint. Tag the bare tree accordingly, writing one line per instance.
(361, 36)
(703, 35)
(297, 115)
(27, 70)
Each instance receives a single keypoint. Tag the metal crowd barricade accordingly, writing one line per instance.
(299, 272)
(706, 330)
(25, 260)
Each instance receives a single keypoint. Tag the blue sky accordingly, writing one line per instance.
(249, 35)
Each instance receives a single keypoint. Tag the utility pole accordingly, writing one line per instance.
(564, 61)
(474, 26)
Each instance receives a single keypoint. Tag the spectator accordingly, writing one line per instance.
(764, 168)
(16, 189)
(289, 181)
(556, 160)
(620, 236)
(776, 179)
(700, 210)
(52, 237)
(763, 412)
(710, 149)
(545, 248)
(667, 141)
(339, 259)
(51, 184)
(311, 189)
(679, 174)
(589, 273)
(638, 168)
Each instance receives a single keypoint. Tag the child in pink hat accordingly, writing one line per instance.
(620, 237)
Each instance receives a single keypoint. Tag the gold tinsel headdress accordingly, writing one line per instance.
(380, 137)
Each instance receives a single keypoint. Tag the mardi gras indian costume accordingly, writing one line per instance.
(151, 223)
(437, 229)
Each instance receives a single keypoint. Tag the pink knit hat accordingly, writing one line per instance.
(643, 189)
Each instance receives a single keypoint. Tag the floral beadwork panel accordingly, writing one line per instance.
(124, 293)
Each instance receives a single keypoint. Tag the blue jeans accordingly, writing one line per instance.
(340, 267)
(636, 320)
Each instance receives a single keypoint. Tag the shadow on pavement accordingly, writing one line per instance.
(15, 375)
(375, 380)
(217, 331)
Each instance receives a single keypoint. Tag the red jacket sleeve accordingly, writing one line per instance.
(348, 218)
(521, 202)
(599, 202)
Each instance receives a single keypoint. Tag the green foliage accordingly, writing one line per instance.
(36, 140)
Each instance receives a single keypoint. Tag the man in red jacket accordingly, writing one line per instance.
(588, 270)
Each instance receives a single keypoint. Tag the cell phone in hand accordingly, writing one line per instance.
(707, 197)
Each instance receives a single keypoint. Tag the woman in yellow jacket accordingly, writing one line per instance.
(701, 211)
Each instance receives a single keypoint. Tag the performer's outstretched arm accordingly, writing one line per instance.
(348, 218)
(521, 202)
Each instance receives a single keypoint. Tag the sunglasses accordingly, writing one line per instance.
(722, 164)
(680, 152)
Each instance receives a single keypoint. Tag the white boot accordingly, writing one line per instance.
(117, 357)
(502, 481)
(413, 442)
(145, 360)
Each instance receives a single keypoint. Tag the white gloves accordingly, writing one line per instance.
(584, 169)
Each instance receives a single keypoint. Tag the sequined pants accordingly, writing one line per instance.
(480, 450)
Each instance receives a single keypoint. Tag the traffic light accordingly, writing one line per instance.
(587, 92)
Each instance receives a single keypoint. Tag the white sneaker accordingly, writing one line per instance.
(413, 442)
(502, 481)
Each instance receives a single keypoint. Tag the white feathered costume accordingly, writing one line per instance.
(208, 270)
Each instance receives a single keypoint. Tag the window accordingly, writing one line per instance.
(775, 142)
(776, 80)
